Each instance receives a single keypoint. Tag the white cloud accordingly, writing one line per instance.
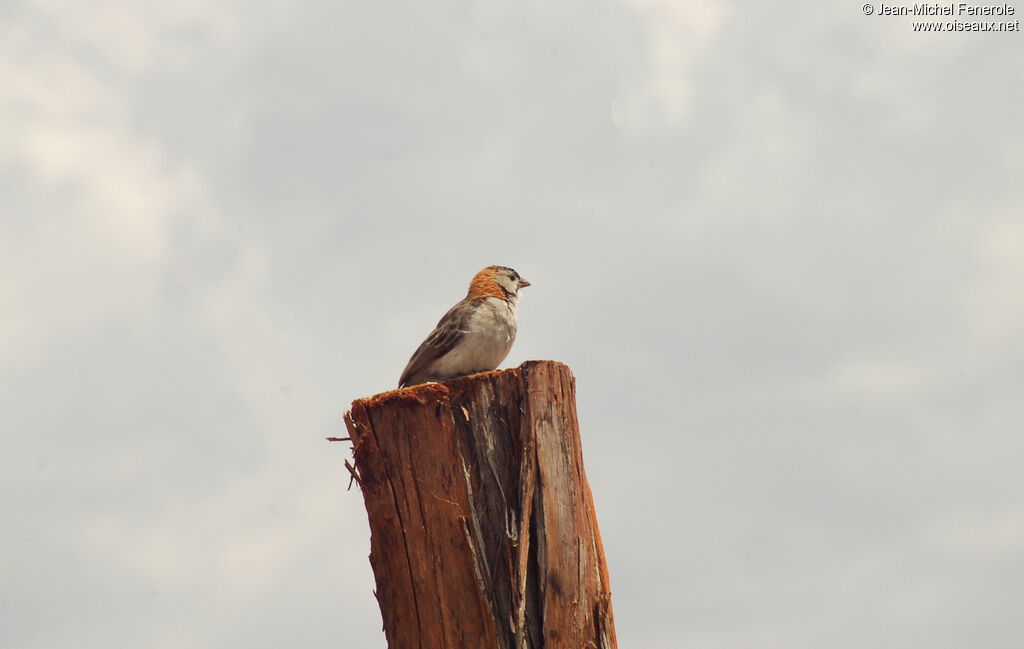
(879, 378)
(87, 225)
(186, 545)
(994, 296)
(971, 535)
(132, 37)
(680, 34)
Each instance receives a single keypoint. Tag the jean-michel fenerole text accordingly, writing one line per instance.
(951, 9)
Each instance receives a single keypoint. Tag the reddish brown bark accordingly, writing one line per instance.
(483, 533)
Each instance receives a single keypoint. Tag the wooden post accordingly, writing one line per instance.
(483, 533)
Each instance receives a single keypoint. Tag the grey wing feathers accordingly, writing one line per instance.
(442, 339)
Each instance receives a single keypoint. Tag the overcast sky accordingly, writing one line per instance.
(780, 245)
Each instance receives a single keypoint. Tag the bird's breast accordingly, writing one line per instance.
(486, 339)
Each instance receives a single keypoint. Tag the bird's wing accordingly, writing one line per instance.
(445, 336)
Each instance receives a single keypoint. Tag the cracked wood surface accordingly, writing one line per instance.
(483, 533)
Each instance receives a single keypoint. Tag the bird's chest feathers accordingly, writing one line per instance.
(487, 337)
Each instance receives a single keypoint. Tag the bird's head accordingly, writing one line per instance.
(497, 281)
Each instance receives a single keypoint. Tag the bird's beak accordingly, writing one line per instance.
(523, 282)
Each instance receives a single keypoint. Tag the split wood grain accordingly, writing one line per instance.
(483, 531)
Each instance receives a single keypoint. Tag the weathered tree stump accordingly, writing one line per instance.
(483, 533)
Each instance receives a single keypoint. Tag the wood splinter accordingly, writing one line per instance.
(354, 475)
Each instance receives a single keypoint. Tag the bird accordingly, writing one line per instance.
(475, 335)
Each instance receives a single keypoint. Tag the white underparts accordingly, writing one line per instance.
(486, 340)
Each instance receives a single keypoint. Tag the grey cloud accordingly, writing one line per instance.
(777, 245)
